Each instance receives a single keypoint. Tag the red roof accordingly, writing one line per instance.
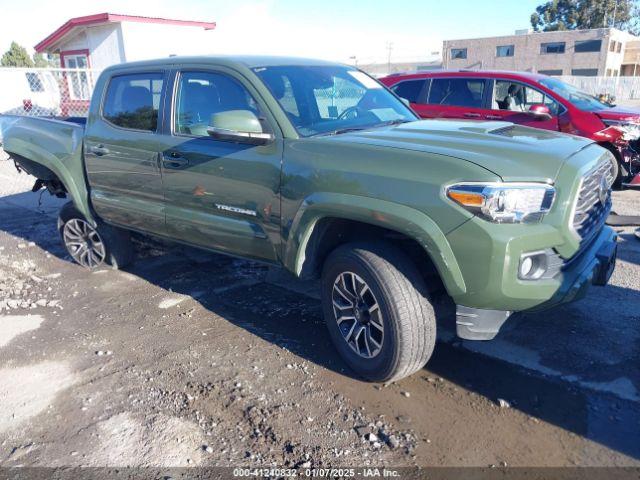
(112, 18)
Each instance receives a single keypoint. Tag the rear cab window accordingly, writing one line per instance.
(458, 92)
(132, 101)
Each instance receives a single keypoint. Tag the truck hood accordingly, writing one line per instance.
(513, 152)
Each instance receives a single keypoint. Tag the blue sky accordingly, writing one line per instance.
(334, 29)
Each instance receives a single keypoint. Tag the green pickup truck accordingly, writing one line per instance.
(318, 168)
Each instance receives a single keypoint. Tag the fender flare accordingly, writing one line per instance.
(406, 220)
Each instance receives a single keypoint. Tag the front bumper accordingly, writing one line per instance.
(494, 290)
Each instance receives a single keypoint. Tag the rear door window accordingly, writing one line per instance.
(133, 101)
(409, 89)
(458, 92)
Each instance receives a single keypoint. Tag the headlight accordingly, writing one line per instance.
(504, 202)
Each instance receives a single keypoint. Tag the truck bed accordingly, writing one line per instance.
(50, 149)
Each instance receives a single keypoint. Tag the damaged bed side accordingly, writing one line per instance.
(50, 150)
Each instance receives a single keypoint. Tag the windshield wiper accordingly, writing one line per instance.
(398, 121)
(365, 127)
(341, 130)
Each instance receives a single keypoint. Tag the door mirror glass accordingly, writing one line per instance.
(242, 126)
(540, 112)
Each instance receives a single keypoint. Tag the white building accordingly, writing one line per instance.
(97, 41)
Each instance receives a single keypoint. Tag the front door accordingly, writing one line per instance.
(121, 153)
(220, 194)
(511, 102)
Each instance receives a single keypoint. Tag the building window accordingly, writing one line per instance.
(552, 47)
(585, 72)
(608, 74)
(133, 101)
(505, 51)
(583, 46)
(612, 46)
(619, 47)
(458, 53)
(551, 73)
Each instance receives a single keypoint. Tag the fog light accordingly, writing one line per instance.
(532, 265)
(525, 267)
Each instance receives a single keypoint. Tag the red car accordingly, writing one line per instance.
(527, 99)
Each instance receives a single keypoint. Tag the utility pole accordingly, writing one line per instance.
(389, 48)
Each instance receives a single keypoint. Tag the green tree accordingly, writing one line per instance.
(580, 14)
(16, 56)
(39, 60)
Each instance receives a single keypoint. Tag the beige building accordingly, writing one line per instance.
(596, 52)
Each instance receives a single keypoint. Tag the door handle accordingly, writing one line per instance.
(174, 160)
(99, 150)
(493, 117)
(472, 115)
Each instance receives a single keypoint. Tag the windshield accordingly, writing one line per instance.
(332, 99)
(580, 99)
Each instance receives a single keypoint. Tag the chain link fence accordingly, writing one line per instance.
(46, 91)
(66, 92)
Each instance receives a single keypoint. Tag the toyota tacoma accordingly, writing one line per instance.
(320, 169)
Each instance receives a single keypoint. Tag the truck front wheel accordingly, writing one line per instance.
(93, 246)
(377, 311)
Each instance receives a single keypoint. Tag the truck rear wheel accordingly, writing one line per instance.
(93, 246)
(377, 311)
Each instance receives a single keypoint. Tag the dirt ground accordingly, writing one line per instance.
(193, 359)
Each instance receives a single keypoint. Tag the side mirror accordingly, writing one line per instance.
(540, 112)
(240, 126)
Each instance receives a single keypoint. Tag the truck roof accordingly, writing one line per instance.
(247, 61)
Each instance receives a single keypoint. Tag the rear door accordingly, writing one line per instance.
(121, 148)
(413, 91)
(511, 100)
(456, 97)
(220, 195)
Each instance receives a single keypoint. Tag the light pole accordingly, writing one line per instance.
(389, 48)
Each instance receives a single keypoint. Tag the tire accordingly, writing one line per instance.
(101, 245)
(408, 320)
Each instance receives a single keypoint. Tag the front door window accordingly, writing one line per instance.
(517, 97)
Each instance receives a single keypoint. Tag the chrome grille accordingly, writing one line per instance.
(591, 212)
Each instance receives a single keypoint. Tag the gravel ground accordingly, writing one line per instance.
(192, 359)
